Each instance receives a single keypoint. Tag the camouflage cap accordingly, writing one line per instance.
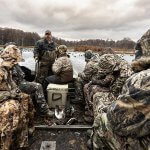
(11, 53)
(47, 32)
(9, 43)
(62, 49)
(108, 62)
(88, 54)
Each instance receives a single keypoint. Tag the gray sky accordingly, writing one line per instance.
(78, 19)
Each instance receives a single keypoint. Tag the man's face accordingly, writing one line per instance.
(48, 36)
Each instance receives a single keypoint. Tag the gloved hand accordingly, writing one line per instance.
(15, 93)
(36, 58)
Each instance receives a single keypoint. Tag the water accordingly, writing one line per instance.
(77, 59)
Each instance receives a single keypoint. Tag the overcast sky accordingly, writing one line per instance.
(78, 19)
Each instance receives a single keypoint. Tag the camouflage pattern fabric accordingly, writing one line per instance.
(114, 64)
(62, 67)
(61, 50)
(11, 52)
(145, 43)
(45, 52)
(111, 62)
(7, 83)
(140, 64)
(101, 101)
(16, 111)
(14, 128)
(112, 74)
(126, 124)
(34, 89)
(97, 86)
(83, 78)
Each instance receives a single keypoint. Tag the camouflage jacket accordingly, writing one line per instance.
(8, 88)
(42, 46)
(111, 64)
(145, 43)
(104, 82)
(62, 67)
(129, 115)
(90, 70)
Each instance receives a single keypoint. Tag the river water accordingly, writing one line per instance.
(77, 59)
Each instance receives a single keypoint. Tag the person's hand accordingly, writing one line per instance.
(36, 58)
(15, 93)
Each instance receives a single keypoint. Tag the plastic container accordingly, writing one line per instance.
(57, 95)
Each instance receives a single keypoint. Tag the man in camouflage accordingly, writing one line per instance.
(125, 125)
(62, 68)
(35, 90)
(143, 45)
(106, 86)
(89, 73)
(44, 54)
(16, 108)
(85, 76)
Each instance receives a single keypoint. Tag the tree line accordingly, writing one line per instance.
(97, 44)
(22, 38)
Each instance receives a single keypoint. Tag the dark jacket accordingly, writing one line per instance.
(42, 46)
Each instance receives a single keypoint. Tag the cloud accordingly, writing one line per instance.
(72, 19)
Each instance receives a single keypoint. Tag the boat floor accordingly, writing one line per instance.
(66, 139)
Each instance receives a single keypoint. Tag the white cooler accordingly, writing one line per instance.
(57, 94)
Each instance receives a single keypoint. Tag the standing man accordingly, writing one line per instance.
(44, 54)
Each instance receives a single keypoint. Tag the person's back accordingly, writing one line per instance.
(63, 68)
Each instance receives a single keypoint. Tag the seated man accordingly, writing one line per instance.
(126, 124)
(89, 73)
(34, 89)
(62, 68)
(16, 108)
(111, 76)
(84, 77)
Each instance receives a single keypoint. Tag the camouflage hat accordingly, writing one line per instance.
(108, 62)
(9, 43)
(11, 53)
(62, 49)
(88, 54)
